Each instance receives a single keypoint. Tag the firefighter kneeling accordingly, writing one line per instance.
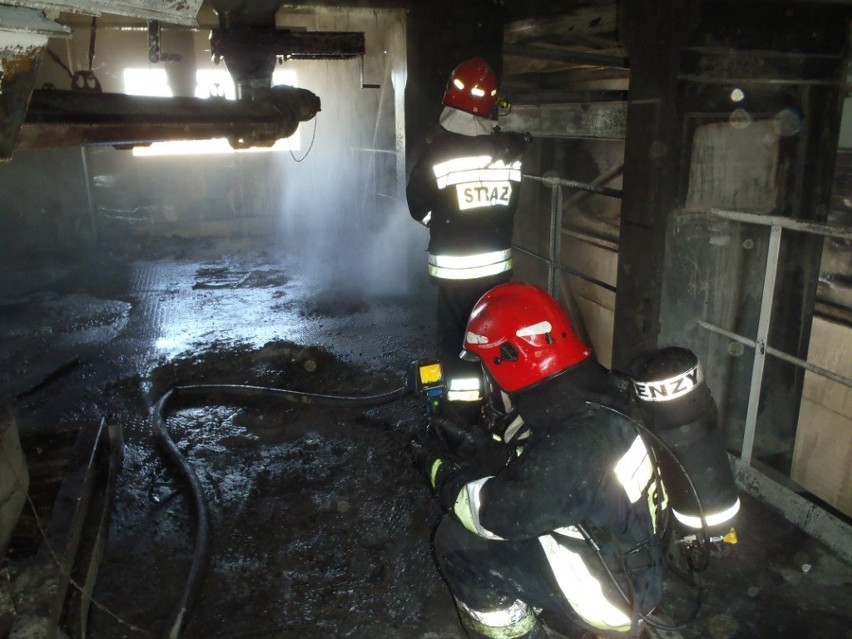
(566, 523)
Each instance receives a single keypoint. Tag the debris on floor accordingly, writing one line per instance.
(319, 524)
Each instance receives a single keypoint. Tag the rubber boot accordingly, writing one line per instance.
(536, 632)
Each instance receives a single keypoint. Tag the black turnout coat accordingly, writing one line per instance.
(470, 186)
(584, 469)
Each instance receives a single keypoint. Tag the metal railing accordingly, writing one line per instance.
(552, 259)
(810, 517)
(776, 225)
(759, 343)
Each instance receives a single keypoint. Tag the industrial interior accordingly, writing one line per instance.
(212, 291)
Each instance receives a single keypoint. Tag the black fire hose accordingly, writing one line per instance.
(202, 523)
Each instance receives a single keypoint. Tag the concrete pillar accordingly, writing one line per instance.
(653, 32)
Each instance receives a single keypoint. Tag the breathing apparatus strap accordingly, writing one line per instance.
(662, 515)
(640, 556)
(661, 512)
(635, 559)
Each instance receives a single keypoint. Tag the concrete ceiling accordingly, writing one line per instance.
(173, 11)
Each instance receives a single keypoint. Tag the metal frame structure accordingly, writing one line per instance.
(776, 225)
(757, 480)
(555, 242)
(762, 349)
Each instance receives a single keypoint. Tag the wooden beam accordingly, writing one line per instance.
(519, 65)
(47, 576)
(597, 120)
(586, 22)
(563, 54)
(182, 12)
(554, 97)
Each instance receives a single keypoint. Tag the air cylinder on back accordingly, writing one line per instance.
(676, 405)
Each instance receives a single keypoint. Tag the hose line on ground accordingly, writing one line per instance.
(173, 455)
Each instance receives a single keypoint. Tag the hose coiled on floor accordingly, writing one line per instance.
(173, 455)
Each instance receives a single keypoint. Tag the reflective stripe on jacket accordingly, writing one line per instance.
(468, 267)
(582, 463)
(466, 189)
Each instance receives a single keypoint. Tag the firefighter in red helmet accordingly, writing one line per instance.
(568, 526)
(464, 187)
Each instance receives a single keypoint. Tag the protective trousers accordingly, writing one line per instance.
(455, 302)
(496, 585)
(503, 588)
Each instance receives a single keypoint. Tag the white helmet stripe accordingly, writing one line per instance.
(473, 338)
(542, 328)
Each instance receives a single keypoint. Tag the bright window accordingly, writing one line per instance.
(150, 82)
(210, 83)
(214, 83)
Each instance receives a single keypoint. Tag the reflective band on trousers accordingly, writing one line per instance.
(581, 588)
(712, 519)
(505, 623)
(468, 267)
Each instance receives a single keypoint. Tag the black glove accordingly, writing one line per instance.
(421, 456)
(499, 424)
(425, 449)
(511, 146)
(472, 444)
(460, 438)
(445, 472)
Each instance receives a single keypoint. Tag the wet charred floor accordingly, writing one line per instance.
(319, 524)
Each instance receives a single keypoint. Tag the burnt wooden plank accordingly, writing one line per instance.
(598, 20)
(596, 120)
(42, 585)
(562, 54)
(91, 551)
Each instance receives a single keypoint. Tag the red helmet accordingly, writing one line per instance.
(472, 87)
(522, 336)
